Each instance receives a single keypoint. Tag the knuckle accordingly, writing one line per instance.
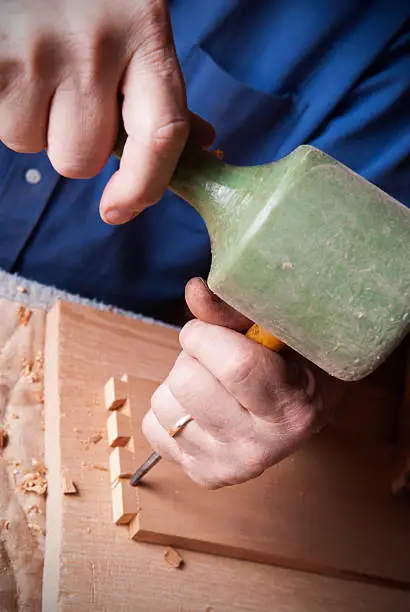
(158, 400)
(181, 378)
(169, 135)
(300, 418)
(241, 366)
(256, 460)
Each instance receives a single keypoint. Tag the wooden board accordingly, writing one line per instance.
(21, 513)
(328, 509)
(92, 564)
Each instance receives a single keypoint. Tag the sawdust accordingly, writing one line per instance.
(89, 466)
(39, 467)
(34, 482)
(93, 438)
(24, 315)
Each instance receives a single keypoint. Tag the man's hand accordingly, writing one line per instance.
(251, 407)
(64, 64)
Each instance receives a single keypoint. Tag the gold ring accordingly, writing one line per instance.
(180, 425)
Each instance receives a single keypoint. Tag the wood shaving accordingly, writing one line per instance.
(4, 525)
(4, 438)
(40, 359)
(14, 416)
(24, 315)
(36, 528)
(34, 483)
(39, 467)
(94, 438)
(69, 486)
(88, 466)
(173, 558)
(101, 468)
(27, 367)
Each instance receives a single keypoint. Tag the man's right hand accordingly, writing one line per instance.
(64, 64)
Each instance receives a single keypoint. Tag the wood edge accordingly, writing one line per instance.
(54, 504)
(138, 534)
(124, 492)
(122, 473)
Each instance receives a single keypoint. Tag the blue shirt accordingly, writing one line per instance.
(269, 75)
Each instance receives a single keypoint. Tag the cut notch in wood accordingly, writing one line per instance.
(118, 429)
(121, 464)
(124, 503)
(115, 392)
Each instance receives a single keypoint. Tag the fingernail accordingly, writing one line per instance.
(116, 216)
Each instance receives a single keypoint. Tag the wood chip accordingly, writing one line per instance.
(173, 558)
(39, 467)
(88, 466)
(69, 486)
(24, 315)
(27, 367)
(4, 438)
(34, 483)
(101, 468)
(94, 438)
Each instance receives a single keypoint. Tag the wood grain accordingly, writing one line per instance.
(327, 509)
(93, 565)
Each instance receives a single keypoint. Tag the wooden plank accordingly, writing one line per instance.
(327, 509)
(86, 555)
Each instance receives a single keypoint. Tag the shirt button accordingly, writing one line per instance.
(33, 176)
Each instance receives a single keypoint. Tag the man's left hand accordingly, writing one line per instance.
(251, 407)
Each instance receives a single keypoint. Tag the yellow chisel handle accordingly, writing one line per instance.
(261, 336)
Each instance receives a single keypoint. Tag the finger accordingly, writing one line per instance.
(262, 381)
(208, 307)
(24, 111)
(168, 411)
(156, 120)
(159, 439)
(215, 410)
(82, 128)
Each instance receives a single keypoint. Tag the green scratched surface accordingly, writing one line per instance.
(310, 251)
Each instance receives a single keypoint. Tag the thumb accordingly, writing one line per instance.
(208, 307)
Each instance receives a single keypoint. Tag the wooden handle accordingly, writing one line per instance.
(261, 336)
